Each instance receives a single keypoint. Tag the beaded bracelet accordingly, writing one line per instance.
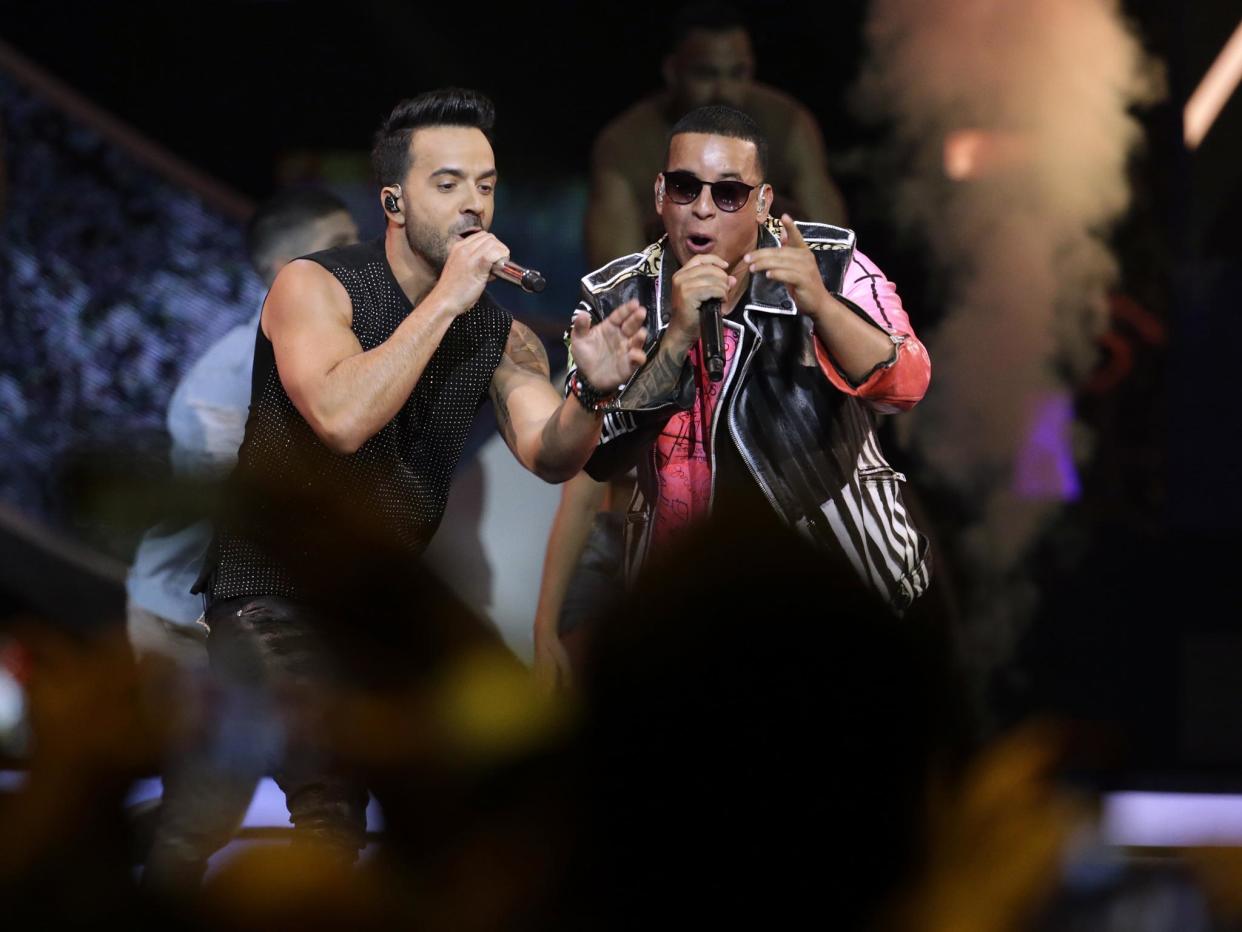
(588, 395)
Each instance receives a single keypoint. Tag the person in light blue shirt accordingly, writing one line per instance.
(206, 420)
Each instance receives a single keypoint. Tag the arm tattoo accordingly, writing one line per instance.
(525, 350)
(524, 356)
(655, 382)
(504, 421)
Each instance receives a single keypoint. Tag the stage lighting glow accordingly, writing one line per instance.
(1164, 820)
(1213, 91)
(973, 153)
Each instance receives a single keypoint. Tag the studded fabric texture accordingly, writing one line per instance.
(400, 477)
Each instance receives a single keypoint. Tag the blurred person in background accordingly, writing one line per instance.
(370, 364)
(710, 61)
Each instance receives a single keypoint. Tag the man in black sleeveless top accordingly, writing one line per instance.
(370, 364)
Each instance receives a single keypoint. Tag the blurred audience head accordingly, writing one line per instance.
(296, 223)
(753, 714)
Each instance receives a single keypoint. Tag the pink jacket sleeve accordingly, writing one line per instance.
(899, 384)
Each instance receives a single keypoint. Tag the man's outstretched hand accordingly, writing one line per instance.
(609, 352)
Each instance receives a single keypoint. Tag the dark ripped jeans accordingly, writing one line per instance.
(264, 653)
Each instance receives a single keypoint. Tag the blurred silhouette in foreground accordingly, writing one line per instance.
(764, 742)
(65, 847)
(423, 704)
(739, 754)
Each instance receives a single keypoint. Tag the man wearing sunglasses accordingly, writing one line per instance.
(815, 341)
(710, 60)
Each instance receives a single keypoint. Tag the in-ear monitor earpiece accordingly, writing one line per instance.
(390, 201)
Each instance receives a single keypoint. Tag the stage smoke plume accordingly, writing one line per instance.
(1016, 117)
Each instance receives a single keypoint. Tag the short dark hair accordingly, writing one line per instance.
(448, 106)
(718, 120)
(282, 215)
(710, 17)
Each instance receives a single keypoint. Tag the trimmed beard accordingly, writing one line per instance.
(427, 242)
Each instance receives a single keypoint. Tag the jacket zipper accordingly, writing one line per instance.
(716, 417)
(746, 458)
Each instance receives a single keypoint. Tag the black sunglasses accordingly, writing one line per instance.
(684, 188)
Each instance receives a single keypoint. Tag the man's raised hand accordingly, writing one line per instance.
(703, 278)
(793, 265)
(609, 352)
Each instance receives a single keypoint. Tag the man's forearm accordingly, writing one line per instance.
(566, 442)
(645, 406)
(658, 379)
(856, 345)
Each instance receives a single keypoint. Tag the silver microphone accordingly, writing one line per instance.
(528, 280)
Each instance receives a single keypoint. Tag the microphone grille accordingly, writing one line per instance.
(533, 282)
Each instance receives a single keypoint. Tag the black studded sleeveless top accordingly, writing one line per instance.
(399, 478)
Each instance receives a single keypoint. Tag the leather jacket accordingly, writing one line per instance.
(805, 431)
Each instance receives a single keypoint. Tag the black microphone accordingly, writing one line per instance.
(528, 280)
(713, 338)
